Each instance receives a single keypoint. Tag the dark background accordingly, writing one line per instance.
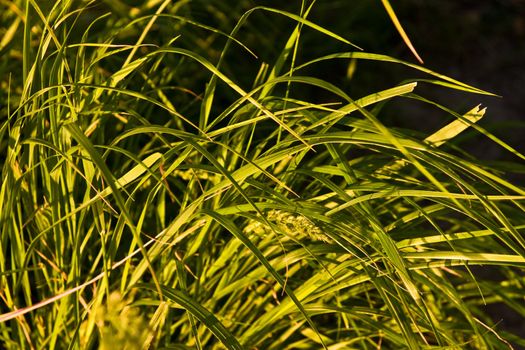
(481, 43)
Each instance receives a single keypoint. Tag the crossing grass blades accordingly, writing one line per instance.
(167, 184)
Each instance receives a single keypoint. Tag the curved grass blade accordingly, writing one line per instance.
(399, 27)
(202, 314)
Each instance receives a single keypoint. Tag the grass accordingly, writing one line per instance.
(165, 187)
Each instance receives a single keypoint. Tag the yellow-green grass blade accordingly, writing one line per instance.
(455, 84)
(202, 314)
(399, 27)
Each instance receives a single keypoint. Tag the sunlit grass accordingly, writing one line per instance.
(151, 198)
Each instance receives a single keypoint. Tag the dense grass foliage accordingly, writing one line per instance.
(183, 175)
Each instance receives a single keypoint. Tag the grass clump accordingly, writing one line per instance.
(165, 187)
